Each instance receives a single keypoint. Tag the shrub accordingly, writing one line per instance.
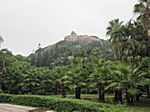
(59, 104)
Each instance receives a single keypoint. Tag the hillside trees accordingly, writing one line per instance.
(58, 54)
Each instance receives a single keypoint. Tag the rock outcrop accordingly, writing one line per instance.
(81, 39)
(73, 37)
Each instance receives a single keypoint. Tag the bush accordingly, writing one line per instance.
(59, 104)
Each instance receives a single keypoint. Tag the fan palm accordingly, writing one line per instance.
(99, 74)
(77, 75)
(124, 79)
(62, 78)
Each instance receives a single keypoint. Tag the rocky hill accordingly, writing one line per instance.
(81, 39)
(72, 45)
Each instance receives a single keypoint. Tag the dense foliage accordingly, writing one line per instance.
(83, 75)
(60, 53)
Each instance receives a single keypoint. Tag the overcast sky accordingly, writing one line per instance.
(25, 23)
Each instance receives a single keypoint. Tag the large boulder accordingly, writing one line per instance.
(73, 37)
(81, 39)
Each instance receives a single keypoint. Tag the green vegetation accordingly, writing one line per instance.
(64, 69)
(142, 106)
(59, 53)
(60, 104)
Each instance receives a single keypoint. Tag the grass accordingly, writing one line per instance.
(91, 97)
(142, 106)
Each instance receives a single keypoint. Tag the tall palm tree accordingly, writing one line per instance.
(115, 31)
(136, 41)
(1, 41)
(143, 9)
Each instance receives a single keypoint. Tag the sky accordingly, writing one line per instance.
(26, 23)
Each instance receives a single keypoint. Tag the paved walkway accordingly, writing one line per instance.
(14, 108)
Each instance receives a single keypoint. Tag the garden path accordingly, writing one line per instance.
(14, 108)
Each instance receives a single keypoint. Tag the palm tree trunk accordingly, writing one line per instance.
(63, 93)
(78, 92)
(118, 96)
(148, 91)
(56, 89)
(127, 97)
(101, 92)
(30, 87)
(138, 97)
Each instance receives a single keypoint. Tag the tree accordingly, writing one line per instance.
(115, 31)
(61, 74)
(125, 79)
(99, 75)
(78, 75)
(1, 41)
(143, 9)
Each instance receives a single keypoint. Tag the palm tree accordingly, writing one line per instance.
(124, 79)
(115, 31)
(145, 68)
(1, 41)
(98, 75)
(78, 75)
(62, 78)
(143, 9)
(136, 42)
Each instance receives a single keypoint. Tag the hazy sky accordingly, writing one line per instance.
(25, 23)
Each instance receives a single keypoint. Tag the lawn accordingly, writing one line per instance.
(142, 106)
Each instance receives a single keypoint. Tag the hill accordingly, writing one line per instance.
(72, 45)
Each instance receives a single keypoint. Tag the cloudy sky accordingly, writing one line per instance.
(25, 23)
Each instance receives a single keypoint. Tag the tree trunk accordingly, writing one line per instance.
(118, 96)
(78, 92)
(31, 90)
(63, 93)
(132, 99)
(127, 97)
(148, 91)
(138, 97)
(101, 92)
(56, 89)
(148, 47)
